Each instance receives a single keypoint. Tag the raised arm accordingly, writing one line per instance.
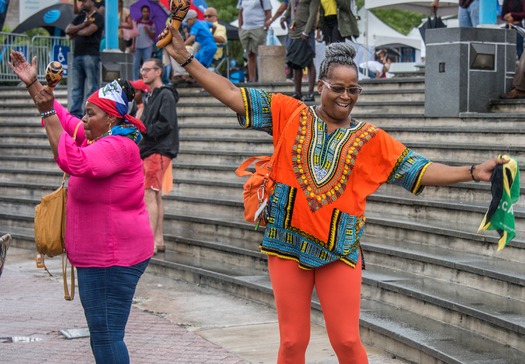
(217, 86)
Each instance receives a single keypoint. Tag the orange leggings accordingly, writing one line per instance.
(338, 287)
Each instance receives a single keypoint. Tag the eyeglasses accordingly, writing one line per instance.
(146, 69)
(209, 15)
(354, 90)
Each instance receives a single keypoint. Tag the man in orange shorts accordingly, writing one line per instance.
(159, 145)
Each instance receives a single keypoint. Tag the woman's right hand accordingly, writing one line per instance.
(25, 71)
(177, 49)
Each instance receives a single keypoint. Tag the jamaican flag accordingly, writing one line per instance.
(505, 188)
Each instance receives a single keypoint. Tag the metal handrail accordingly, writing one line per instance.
(45, 48)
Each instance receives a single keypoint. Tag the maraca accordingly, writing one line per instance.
(178, 9)
(54, 72)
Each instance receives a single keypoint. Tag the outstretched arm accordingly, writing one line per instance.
(438, 174)
(217, 86)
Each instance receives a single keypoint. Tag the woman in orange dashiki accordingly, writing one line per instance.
(327, 166)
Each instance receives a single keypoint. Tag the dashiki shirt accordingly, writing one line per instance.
(316, 211)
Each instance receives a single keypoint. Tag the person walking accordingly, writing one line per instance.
(328, 164)
(337, 21)
(253, 15)
(160, 144)
(300, 51)
(86, 30)
(108, 236)
(143, 43)
(468, 12)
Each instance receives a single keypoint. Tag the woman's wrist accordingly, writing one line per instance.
(472, 169)
(46, 114)
(31, 83)
(187, 61)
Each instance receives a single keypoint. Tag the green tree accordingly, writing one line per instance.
(400, 20)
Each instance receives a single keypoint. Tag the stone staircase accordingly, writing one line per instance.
(435, 290)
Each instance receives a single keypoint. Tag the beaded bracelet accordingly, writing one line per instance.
(32, 82)
(472, 167)
(187, 62)
(47, 114)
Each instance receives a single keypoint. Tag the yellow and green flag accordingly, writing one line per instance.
(505, 188)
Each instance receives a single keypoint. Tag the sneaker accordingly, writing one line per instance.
(297, 96)
(513, 94)
(309, 97)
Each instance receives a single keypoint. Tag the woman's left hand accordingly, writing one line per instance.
(45, 100)
(25, 71)
(483, 171)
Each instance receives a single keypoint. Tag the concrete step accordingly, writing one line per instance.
(217, 257)
(23, 189)
(19, 205)
(459, 134)
(487, 274)
(463, 151)
(495, 317)
(442, 213)
(379, 227)
(46, 177)
(26, 150)
(408, 335)
(29, 162)
(508, 106)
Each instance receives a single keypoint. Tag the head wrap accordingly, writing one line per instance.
(113, 101)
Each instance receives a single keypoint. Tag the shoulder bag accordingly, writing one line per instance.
(260, 184)
(50, 230)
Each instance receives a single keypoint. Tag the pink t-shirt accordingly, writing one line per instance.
(107, 223)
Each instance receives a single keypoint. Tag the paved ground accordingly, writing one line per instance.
(171, 322)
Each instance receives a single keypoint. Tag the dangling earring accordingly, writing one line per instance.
(109, 131)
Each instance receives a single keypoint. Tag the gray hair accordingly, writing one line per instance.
(337, 53)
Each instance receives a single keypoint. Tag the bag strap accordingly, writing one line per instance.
(241, 170)
(68, 295)
(64, 177)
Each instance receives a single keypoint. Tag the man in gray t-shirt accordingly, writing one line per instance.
(252, 33)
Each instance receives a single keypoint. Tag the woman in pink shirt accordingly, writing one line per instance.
(108, 236)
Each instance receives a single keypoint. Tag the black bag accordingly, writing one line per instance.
(299, 54)
(433, 22)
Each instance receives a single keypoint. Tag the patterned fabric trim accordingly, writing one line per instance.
(408, 171)
(261, 116)
(288, 242)
(322, 179)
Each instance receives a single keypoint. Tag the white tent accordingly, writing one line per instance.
(422, 6)
(377, 34)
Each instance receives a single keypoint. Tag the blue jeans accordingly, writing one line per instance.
(469, 17)
(106, 295)
(141, 54)
(85, 76)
